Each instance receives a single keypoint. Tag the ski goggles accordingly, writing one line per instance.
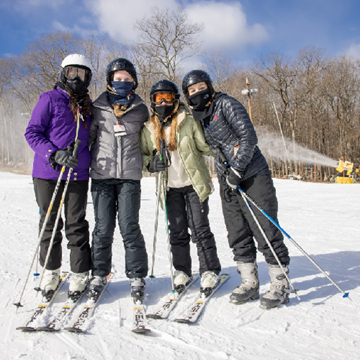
(159, 97)
(72, 72)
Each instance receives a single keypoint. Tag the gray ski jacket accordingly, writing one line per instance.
(116, 157)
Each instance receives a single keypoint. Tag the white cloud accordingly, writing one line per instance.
(76, 29)
(225, 24)
(117, 17)
(354, 51)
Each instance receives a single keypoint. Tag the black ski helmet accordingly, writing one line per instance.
(164, 86)
(121, 64)
(194, 77)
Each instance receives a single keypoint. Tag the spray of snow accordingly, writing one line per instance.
(275, 148)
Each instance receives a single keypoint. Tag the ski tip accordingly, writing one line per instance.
(47, 329)
(141, 330)
(75, 330)
(183, 321)
(26, 328)
(153, 316)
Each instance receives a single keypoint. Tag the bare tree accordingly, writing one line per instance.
(168, 37)
(100, 50)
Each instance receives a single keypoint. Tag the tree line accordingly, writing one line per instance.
(311, 98)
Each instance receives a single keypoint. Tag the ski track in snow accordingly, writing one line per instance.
(322, 218)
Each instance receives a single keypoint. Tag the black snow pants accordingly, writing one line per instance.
(185, 210)
(113, 197)
(241, 227)
(76, 227)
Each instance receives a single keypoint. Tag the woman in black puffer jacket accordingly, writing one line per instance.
(231, 136)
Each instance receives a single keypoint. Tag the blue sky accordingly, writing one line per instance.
(243, 29)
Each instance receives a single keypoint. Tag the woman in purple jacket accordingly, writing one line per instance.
(60, 117)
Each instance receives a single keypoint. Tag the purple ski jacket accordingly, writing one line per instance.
(51, 128)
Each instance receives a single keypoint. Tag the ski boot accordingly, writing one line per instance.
(249, 287)
(180, 281)
(78, 283)
(49, 283)
(137, 286)
(96, 285)
(279, 288)
(208, 281)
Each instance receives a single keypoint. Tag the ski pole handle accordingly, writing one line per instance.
(76, 147)
(162, 149)
(221, 155)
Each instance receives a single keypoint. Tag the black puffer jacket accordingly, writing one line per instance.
(230, 128)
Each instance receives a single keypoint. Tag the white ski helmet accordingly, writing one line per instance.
(77, 86)
(76, 59)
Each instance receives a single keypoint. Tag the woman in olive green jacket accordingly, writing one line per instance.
(187, 182)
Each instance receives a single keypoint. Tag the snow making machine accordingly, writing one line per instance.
(347, 172)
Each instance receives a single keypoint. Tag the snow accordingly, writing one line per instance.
(322, 218)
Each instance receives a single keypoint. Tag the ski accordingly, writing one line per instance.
(198, 306)
(172, 299)
(139, 319)
(80, 323)
(58, 320)
(42, 307)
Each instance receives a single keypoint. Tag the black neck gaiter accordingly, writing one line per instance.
(164, 111)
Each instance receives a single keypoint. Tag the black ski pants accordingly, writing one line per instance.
(76, 227)
(241, 227)
(113, 197)
(185, 210)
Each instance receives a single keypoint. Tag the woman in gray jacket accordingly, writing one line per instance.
(116, 171)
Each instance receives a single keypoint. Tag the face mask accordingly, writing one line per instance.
(122, 88)
(164, 111)
(77, 86)
(199, 100)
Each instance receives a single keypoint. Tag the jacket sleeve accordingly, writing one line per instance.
(93, 131)
(146, 151)
(35, 133)
(199, 139)
(243, 130)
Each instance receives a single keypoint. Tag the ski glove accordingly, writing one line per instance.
(156, 165)
(65, 158)
(233, 179)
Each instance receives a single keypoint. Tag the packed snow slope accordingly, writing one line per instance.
(322, 218)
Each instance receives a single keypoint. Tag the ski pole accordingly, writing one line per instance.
(156, 227)
(163, 156)
(76, 148)
(268, 242)
(345, 295)
(18, 304)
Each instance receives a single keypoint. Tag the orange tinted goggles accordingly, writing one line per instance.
(160, 97)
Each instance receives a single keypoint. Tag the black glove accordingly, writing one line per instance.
(65, 158)
(156, 165)
(233, 179)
